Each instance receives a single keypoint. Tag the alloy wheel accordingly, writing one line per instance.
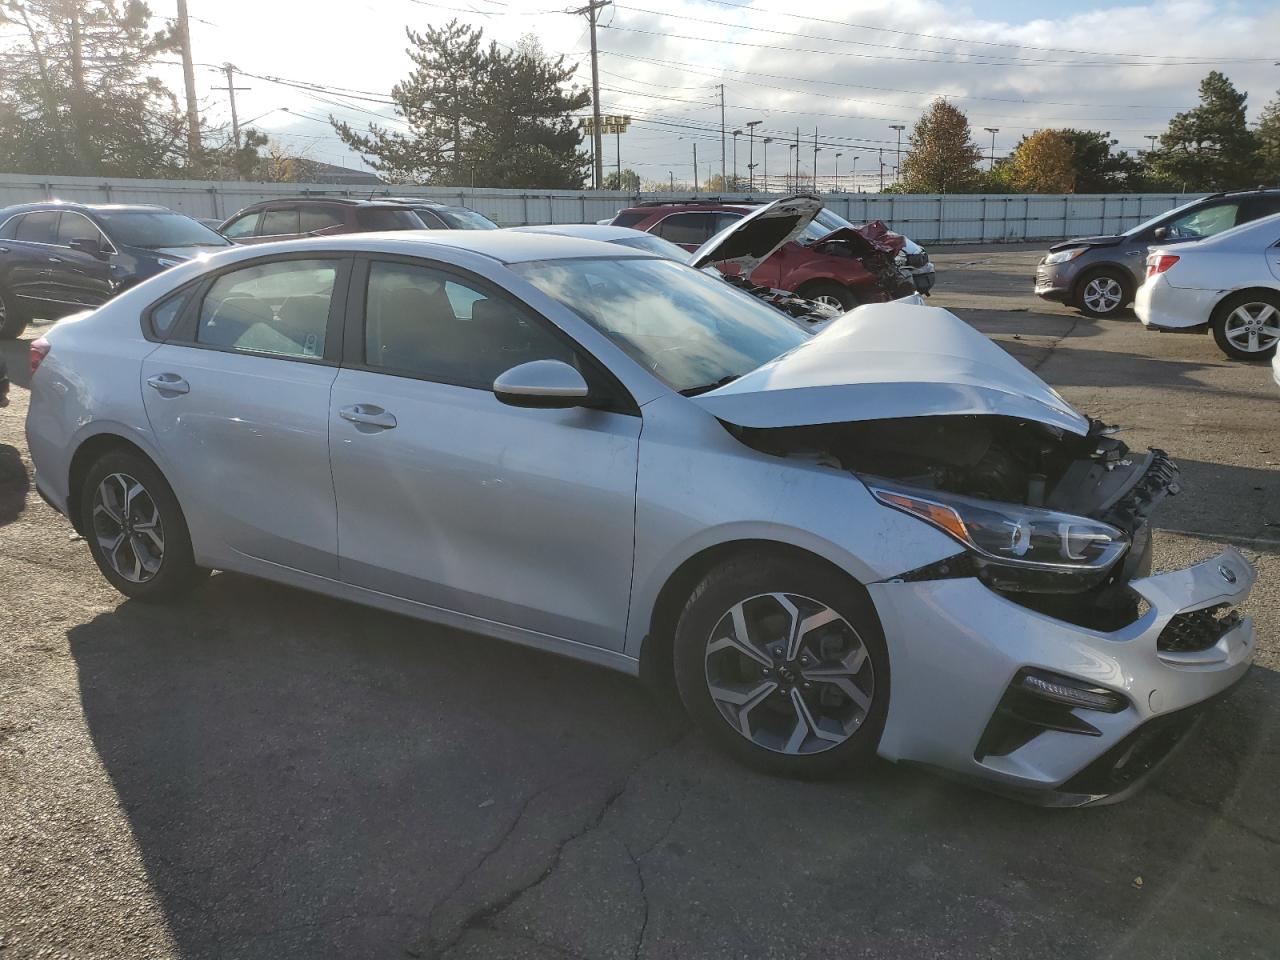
(789, 673)
(1253, 327)
(829, 301)
(1103, 294)
(127, 527)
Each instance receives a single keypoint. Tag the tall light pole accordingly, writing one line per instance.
(751, 153)
(736, 135)
(764, 155)
(882, 169)
(993, 131)
(836, 173)
(1153, 137)
(899, 127)
(794, 184)
(855, 174)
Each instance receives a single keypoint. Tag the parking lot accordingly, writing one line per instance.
(261, 772)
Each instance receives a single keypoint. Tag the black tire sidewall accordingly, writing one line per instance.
(14, 321)
(1115, 275)
(1219, 325)
(178, 571)
(750, 575)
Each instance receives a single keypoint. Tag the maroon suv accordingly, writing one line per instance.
(842, 268)
(291, 217)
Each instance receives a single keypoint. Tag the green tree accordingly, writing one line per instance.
(630, 180)
(75, 96)
(942, 157)
(1269, 142)
(478, 115)
(1209, 147)
(1098, 168)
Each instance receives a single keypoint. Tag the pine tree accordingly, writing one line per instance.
(74, 95)
(1269, 143)
(942, 157)
(1209, 147)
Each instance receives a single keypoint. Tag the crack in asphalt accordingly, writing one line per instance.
(1057, 342)
(483, 917)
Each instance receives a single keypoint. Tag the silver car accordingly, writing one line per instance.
(886, 537)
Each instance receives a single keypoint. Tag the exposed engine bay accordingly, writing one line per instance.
(788, 303)
(1007, 461)
(876, 247)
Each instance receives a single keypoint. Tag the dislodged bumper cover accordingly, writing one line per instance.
(947, 688)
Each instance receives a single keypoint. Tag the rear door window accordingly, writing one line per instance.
(279, 223)
(39, 227)
(313, 218)
(241, 226)
(378, 218)
(693, 229)
(279, 308)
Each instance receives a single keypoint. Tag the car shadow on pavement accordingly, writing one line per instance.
(308, 778)
(17, 357)
(15, 482)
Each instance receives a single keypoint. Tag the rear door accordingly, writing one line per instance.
(77, 279)
(279, 222)
(238, 399)
(26, 253)
(448, 497)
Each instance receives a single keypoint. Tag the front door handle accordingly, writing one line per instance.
(368, 415)
(169, 384)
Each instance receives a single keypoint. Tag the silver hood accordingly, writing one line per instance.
(755, 237)
(883, 361)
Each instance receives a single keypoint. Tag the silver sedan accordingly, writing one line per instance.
(886, 537)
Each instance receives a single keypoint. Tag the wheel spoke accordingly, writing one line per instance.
(807, 626)
(741, 640)
(742, 711)
(1253, 341)
(143, 555)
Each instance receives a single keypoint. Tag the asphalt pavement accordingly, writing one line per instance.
(264, 773)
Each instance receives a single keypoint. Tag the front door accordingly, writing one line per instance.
(238, 398)
(76, 279)
(448, 497)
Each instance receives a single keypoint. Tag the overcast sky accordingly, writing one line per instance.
(850, 69)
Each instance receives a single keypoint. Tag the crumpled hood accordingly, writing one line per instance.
(1108, 241)
(750, 241)
(888, 360)
(875, 234)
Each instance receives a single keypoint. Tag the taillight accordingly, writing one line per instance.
(39, 350)
(1159, 263)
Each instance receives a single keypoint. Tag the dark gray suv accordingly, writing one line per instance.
(1100, 275)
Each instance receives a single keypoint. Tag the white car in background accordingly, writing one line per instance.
(1228, 284)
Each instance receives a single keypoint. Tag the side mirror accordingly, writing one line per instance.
(548, 384)
(89, 245)
(1159, 233)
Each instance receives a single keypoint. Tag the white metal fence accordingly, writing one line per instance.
(952, 218)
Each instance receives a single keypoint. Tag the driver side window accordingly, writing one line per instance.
(425, 323)
(1204, 222)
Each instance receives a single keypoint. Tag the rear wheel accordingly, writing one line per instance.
(1247, 326)
(783, 663)
(1103, 293)
(135, 528)
(830, 293)
(12, 319)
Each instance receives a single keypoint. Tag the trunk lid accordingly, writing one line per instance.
(885, 361)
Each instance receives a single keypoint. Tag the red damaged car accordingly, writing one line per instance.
(841, 267)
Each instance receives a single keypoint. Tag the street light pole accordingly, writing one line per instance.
(751, 153)
(993, 131)
(836, 173)
(792, 184)
(736, 135)
(764, 155)
(898, 156)
(855, 174)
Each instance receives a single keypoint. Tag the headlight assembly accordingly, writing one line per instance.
(1062, 256)
(1015, 547)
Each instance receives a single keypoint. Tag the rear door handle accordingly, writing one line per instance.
(169, 384)
(369, 415)
(4, 249)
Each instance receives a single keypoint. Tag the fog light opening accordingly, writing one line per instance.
(1064, 690)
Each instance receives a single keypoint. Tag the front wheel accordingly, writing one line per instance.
(135, 528)
(831, 294)
(12, 319)
(1103, 294)
(1247, 327)
(783, 663)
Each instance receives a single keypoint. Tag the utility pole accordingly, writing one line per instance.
(751, 153)
(993, 131)
(855, 174)
(797, 158)
(189, 78)
(791, 184)
(898, 156)
(722, 166)
(815, 159)
(671, 175)
(231, 88)
(882, 169)
(695, 166)
(764, 155)
(617, 152)
(836, 173)
(736, 135)
(592, 11)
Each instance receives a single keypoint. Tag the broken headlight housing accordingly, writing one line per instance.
(1015, 547)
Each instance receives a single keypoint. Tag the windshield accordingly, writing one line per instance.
(460, 218)
(655, 245)
(153, 230)
(691, 330)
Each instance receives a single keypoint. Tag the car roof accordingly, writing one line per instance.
(340, 201)
(606, 233)
(651, 207)
(86, 207)
(503, 246)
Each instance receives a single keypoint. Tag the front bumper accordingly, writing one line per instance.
(1055, 281)
(956, 646)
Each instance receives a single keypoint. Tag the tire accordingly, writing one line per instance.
(1104, 293)
(828, 291)
(126, 500)
(726, 685)
(1248, 319)
(12, 318)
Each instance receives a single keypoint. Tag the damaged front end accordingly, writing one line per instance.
(876, 247)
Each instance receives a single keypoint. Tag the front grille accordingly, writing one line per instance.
(1197, 630)
(1042, 278)
(1160, 480)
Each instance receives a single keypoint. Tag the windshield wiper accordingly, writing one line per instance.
(708, 387)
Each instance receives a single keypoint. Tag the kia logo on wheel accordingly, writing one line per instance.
(1227, 573)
